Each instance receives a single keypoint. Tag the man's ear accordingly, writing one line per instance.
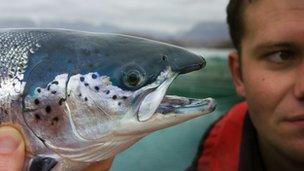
(234, 61)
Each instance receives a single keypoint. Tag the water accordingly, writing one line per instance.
(174, 148)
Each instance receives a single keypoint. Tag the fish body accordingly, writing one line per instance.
(82, 97)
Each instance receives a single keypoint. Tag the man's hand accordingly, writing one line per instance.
(12, 149)
(12, 152)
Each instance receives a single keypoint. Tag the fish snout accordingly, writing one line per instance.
(188, 64)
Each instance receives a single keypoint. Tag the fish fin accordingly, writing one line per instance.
(42, 163)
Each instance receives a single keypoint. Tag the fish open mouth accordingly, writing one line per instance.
(182, 105)
(153, 100)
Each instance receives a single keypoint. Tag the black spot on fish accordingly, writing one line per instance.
(55, 82)
(39, 90)
(86, 84)
(14, 84)
(48, 109)
(36, 101)
(48, 87)
(85, 99)
(56, 119)
(79, 95)
(37, 116)
(96, 88)
(54, 92)
(107, 91)
(124, 97)
(94, 76)
(119, 103)
(81, 79)
(61, 101)
(114, 97)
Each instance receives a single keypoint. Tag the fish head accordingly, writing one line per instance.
(144, 70)
(104, 92)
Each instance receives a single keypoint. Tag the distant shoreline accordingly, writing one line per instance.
(211, 52)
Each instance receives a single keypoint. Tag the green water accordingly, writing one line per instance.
(173, 149)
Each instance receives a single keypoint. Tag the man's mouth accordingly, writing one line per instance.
(297, 120)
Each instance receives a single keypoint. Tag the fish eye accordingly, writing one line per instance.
(132, 78)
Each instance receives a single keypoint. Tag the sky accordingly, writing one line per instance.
(168, 16)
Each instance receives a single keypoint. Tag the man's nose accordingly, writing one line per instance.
(299, 83)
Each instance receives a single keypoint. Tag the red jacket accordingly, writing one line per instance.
(221, 148)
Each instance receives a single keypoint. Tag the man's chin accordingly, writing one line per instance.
(294, 151)
(290, 144)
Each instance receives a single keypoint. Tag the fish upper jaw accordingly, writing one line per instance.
(187, 63)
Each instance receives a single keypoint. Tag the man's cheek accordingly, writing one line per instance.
(260, 95)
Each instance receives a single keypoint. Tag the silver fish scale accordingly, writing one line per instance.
(15, 48)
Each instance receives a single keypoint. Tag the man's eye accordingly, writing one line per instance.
(281, 56)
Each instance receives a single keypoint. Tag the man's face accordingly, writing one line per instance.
(272, 73)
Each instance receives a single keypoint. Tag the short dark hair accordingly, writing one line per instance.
(235, 20)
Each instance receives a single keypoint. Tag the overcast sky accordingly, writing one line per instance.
(156, 15)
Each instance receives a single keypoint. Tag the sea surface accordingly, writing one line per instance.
(174, 148)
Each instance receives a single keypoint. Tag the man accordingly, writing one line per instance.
(266, 132)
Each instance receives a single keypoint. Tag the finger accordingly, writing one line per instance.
(12, 149)
(104, 165)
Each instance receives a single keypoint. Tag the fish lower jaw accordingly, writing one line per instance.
(177, 105)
